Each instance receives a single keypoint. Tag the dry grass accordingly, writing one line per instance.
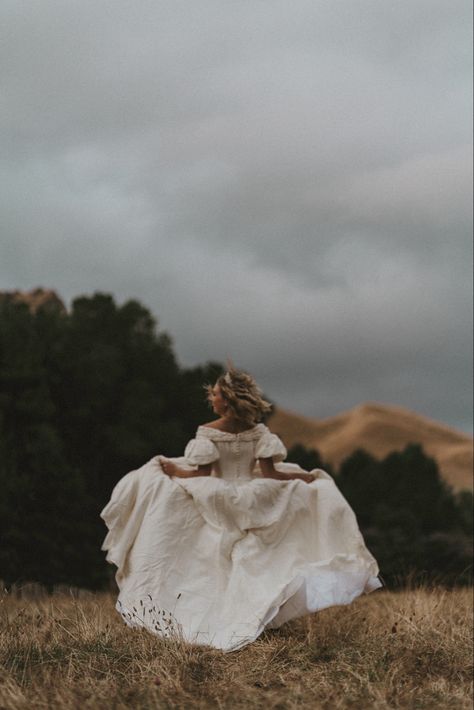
(409, 649)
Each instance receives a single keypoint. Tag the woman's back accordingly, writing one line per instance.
(234, 455)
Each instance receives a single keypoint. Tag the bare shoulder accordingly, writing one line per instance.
(216, 424)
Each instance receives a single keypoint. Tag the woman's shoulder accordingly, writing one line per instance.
(215, 424)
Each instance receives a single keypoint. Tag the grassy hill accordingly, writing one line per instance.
(407, 649)
(380, 429)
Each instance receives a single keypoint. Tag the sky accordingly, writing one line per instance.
(287, 183)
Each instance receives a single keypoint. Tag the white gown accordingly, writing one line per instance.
(217, 559)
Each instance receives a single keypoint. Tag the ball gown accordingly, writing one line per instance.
(217, 559)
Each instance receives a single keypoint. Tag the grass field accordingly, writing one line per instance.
(408, 649)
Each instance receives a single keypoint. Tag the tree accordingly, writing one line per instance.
(43, 522)
(85, 397)
(307, 458)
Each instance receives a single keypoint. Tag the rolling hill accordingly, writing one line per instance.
(379, 429)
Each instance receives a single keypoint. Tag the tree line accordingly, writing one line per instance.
(88, 395)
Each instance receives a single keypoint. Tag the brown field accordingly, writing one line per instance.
(380, 429)
(405, 649)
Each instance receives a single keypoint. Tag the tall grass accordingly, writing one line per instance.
(405, 649)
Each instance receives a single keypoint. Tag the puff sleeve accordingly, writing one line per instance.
(199, 452)
(270, 445)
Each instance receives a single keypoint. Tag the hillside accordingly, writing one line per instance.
(36, 299)
(379, 429)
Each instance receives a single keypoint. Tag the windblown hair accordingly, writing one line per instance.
(242, 395)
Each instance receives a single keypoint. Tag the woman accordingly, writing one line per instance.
(228, 540)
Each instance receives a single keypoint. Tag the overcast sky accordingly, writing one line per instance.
(288, 183)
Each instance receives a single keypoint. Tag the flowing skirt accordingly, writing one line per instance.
(216, 561)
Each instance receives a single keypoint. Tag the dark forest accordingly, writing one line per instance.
(90, 394)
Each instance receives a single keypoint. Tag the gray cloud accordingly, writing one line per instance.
(286, 183)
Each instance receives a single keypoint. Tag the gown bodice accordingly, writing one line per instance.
(234, 456)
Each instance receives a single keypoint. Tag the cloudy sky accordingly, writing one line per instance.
(285, 182)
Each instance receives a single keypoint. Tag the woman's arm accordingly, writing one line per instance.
(268, 471)
(171, 469)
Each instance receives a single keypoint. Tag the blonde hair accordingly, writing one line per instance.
(242, 395)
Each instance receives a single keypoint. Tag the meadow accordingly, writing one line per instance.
(390, 649)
